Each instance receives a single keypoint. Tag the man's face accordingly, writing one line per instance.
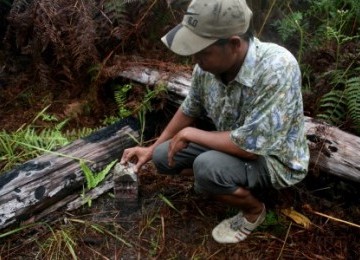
(216, 59)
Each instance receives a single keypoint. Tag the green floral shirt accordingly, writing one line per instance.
(262, 107)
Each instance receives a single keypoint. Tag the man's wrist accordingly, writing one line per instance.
(187, 134)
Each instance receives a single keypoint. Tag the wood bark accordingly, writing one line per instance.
(53, 180)
(332, 150)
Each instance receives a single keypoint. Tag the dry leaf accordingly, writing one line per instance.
(297, 217)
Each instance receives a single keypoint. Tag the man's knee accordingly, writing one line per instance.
(218, 173)
(204, 171)
(159, 157)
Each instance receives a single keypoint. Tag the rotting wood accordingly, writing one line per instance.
(332, 150)
(126, 189)
(49, 182)
(178, 84)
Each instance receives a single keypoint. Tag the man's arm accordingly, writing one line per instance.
(219, 141)
(176, 124)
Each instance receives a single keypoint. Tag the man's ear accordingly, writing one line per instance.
(235, 42)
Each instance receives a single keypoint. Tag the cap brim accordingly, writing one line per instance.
(183, 41)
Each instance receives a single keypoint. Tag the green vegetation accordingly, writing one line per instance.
(31, 140)
(93, 179)
(139, 108)
(121, 99)
(62, 241)
(330, 27)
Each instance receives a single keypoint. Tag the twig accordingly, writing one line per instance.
(286, 237)
(307, 207)
(163, 237)
(163, 228)
(145, 14)
(267, 17)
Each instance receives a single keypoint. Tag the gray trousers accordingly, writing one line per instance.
(215, 172)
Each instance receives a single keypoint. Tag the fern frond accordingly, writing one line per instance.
(89, 177)
(101, 175)
(334, 105)
(93, 179)
(352, 92)
(120, 95)
(115, 10)
(79, 133)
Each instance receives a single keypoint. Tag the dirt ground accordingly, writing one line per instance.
(175, 223)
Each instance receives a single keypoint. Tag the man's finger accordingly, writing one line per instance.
(170, 159)
(126, 156)
(138, 165)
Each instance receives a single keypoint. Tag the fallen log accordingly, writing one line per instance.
(332, 150)
(53, 180)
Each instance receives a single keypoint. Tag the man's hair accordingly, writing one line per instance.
(249, 35)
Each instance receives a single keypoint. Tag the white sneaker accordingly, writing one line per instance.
(236, 229)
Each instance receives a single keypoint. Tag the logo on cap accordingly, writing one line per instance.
(191, 20)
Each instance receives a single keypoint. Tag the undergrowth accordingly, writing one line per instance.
(31, 140)
(68, 45)
(329, 27)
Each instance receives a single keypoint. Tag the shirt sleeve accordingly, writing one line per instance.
(192, 105)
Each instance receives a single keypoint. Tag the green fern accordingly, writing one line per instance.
(74, 134)
(352, 93)
(93, 179)
(334, 105)
(120, 95)
(338, 104)
(149, 96)
(115, 10)
(29, 141)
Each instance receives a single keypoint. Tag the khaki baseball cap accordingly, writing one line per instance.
(207, 21)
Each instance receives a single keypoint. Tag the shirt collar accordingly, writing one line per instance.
(246, 74)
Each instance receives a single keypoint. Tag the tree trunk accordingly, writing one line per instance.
(49, 182)
(331, 150)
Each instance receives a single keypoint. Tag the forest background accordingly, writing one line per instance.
(59, 81)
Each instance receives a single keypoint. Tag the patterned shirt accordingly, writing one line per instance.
(262, 107)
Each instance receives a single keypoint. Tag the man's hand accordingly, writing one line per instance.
(219, 141)
(141, 155)
(177, 143)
